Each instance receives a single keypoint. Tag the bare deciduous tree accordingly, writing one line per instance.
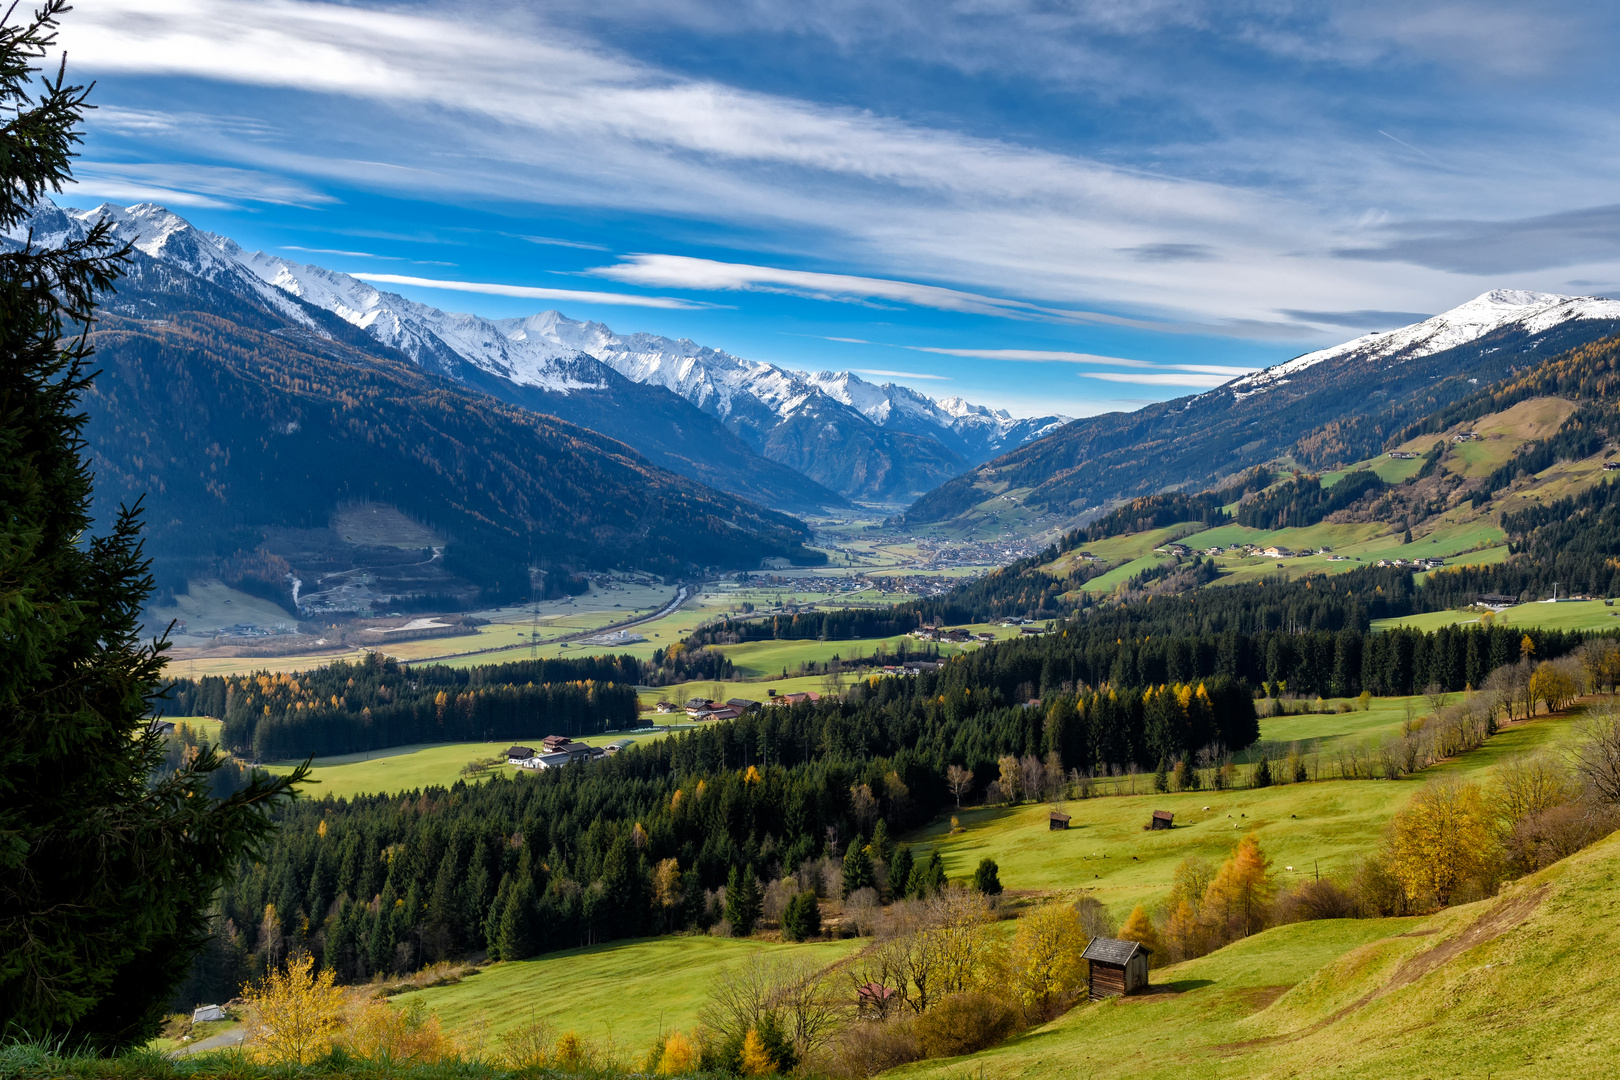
(1597, 756)
(959, 780)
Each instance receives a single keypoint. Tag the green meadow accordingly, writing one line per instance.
(1519, 986)
(625, 992)
(1108, 851)
(405, 768)
(1573, 615)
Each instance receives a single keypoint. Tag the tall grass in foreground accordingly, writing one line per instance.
(40, 1061)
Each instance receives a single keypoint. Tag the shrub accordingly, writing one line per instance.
(294, 1014)
(865, 1049)
(1316, 899)
(964, 1023)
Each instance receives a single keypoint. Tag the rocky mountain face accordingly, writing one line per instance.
(1324, 408)
(248, 422)
(796, 441)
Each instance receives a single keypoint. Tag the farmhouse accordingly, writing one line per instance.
(1117, 967)
(1057, 821)
(517, 755)
(1162, 819)
(664, 708)
(742, 703)
(546, 761)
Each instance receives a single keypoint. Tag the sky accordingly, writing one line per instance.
(1044, 206)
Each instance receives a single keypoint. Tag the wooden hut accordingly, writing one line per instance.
(1117, 967)
(1162, 819)
(1057, 821)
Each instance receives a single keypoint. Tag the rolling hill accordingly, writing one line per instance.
(1320, 410)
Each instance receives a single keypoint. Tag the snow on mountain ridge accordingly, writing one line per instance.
(1485, 314)
(541, 350)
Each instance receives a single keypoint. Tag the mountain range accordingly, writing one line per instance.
(1318, 410)
(783, 438)
(251, 423)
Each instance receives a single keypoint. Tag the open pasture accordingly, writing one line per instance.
(1571, 615)
(1461, 993)
(1323, 825)
(624, 992)
(403, 768)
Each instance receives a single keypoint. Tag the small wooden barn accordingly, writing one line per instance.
(1058, 820)
(1162, 819)
(1117, 967)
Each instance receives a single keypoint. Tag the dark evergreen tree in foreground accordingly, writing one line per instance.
(108, 866)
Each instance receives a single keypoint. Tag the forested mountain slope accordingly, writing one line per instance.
(180, 267)
(784, 438)
(232, 422)
(1322, 410)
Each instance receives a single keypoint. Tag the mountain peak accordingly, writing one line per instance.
(1498, 309)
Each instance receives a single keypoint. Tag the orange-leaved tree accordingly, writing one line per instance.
(1238, 902)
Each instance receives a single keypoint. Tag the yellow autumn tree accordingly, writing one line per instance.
(1139, 928)
(375, 1029)
(292, 1016)
(756, 1060)
(1044, 958)
(1441, 840)
(678, 1057)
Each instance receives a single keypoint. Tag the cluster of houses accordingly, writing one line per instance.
(1415, 564)
(555, 751)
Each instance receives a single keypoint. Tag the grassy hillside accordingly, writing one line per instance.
(1517, 986)
(624, 992)
(1326, 825)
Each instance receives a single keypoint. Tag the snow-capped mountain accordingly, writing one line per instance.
(1500, 309)
(564, 358)
(1321, 410)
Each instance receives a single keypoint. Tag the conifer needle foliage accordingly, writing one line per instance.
(107, 871)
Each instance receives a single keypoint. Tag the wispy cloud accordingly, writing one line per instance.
(1146, 379)
(526, 106)
(530, 292)
(192, 181)
(552, 241)
(686, 272)
(339, 251)
(899, 374)
(1045, 356)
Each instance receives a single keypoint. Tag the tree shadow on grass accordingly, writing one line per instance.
(1180, 986)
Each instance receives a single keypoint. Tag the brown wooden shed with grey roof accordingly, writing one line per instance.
(1117, 967)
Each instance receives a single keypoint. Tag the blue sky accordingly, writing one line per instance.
(1045, 206)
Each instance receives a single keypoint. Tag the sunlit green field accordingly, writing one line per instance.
(1574, 615)
(624, 992)
(1463, 993)
(405, 768)
(1326, 825)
